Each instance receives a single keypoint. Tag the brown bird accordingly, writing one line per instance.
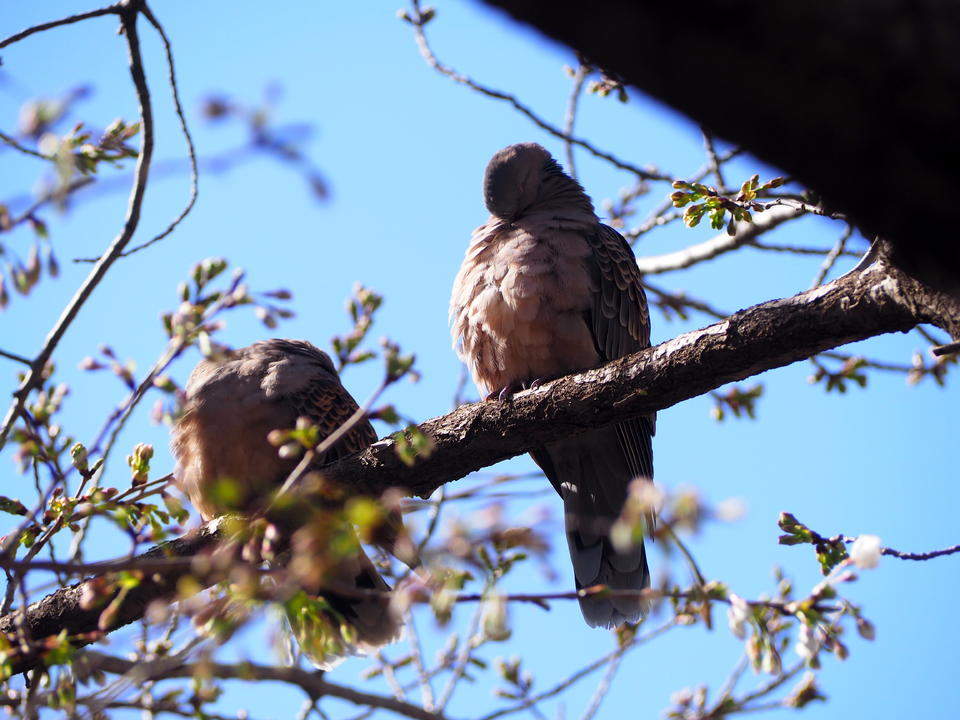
(232, 406)
(545, 290)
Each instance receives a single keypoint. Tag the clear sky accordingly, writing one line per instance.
(403, 149)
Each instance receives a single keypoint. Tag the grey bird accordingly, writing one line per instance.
(545, 290)
(232, 405)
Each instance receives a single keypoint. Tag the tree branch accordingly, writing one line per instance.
(876, 298)
(312, 683)
(719, 244)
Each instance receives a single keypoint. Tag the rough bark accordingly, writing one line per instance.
(875, 300)
(859, 100)
(65, 609)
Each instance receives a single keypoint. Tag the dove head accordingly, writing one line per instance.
(512, 180)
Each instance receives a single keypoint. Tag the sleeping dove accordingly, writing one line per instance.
(232, 405)
(545, 290)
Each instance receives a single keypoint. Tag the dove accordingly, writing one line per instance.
(545, 289)
(232, 405)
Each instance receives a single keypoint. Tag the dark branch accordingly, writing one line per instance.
(874, 300)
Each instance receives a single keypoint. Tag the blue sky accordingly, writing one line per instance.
(403, 150)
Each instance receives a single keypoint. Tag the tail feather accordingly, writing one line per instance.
(331, 626)
(592, 472)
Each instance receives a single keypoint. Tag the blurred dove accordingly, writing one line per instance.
(232, 405)
(545, 290)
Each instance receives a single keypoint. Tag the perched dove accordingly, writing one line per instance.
(545, 290)
(232, 405)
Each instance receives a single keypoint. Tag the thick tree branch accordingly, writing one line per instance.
(65, 607)
(873, 299)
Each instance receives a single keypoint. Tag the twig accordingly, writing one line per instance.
(386, 667)
(570, 118)
(713, 160)
(731, 682)
(426, 688)
(128, 16)
(580, 674)
(191, 150)
(603, 687)
(682, 299)
(463, 658)
(109, 10)
(928, 336)
(685, 551)
(425, 50)
(920, 556)
(800, 249)
(832, 256)
(16, 358)
(772, 685)
(948, 349)
(312, 683)
(723, 243)
(12, 142)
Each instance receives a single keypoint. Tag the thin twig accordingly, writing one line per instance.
(580, 674)
(463, 658)
(191, 150)
(416, 654)
(12, 142)
(16, 358)
(899, 554)
(800, 249)
(603, 687)
(109, 10)
(425, 50)
(712, 158)
(928, 336)
(691, 561)
(570, 118)
(831, 257)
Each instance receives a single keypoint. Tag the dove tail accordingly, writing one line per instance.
(592, 473)
(330, 627)
(608, 567)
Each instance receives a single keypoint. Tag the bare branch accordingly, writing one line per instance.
(417, 21)
(312, 683)
(109, 10)
(16, 358)
(570, 118)
(12, 142)
(712, 159)
(899, 554)
(948, 349)
(718, 245)
(191, 150)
